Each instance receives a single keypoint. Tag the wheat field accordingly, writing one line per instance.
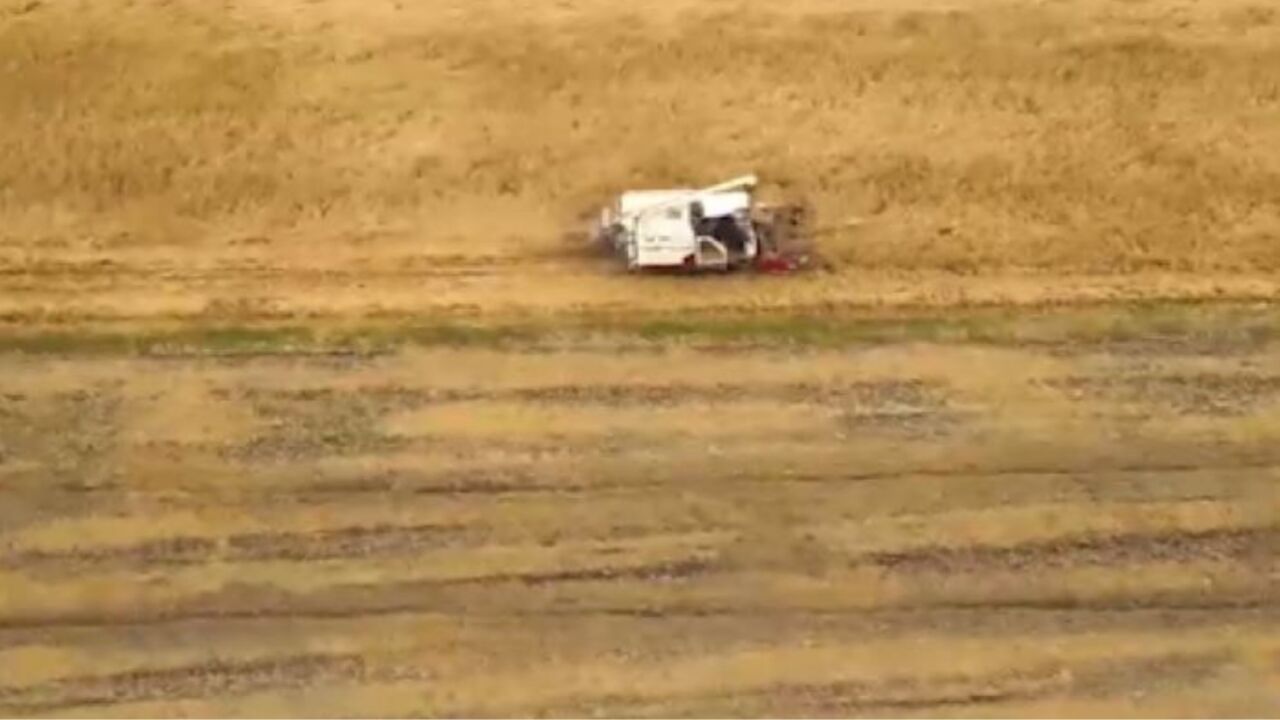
(313, 404)
(349, 157)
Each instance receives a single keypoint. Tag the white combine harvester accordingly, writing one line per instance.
(718, 228)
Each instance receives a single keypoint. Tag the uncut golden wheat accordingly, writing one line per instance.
(1074, 137)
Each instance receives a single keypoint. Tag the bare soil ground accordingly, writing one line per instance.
(310, 405)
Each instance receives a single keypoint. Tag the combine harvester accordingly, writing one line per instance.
(719, 228)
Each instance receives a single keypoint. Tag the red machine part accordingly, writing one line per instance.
(775, 264)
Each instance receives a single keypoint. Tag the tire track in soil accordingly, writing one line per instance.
(492, 597)
(319, 421)
(341, 543)
(349, 543)
(1255, 546)
(409, 266)
(917, 393)
(1205, 393)
(908, 693)
(258, 602)
(210, 679)
(1104, 678)
(483, 482)
(994, 619)
(523, 481)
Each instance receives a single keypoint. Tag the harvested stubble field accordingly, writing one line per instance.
(724, 530)
(308, 406)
